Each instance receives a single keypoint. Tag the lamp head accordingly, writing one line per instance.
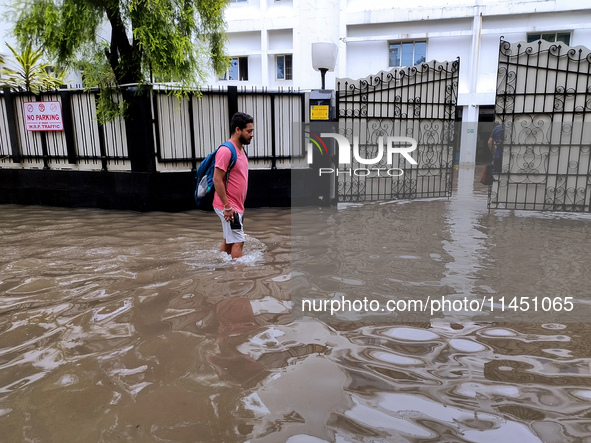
(324, 56)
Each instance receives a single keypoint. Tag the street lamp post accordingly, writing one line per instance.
(324, 58)
(322, 119)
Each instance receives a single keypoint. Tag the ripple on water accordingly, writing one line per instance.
(107, 313)
(561, 353)
(67, 380)
(583, 394)
(553, 326)
(212, 258)
(411, 334)
(473, 390)
(396, 359)
(483, 427)
(286, 277)
(498, 332)
(464, 345)
(109, 285)
(377, 419)
(33, 285)
(348, 281)
(304, 438)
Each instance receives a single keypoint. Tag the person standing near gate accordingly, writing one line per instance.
(231, 188)
(495, 144)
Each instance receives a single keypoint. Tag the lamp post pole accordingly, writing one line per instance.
(322, 103)
(323, 72)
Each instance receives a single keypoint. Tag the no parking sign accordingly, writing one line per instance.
(43, 116)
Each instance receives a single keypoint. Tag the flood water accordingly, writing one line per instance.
(120, 326)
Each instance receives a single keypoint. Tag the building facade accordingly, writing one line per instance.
(270, 42)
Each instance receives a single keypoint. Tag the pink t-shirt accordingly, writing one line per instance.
(238, 181)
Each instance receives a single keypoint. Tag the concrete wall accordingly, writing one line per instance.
(134, 191)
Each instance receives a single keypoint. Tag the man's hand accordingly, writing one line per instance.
(219, 182)
(229, 213)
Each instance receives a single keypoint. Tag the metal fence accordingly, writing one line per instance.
(417, 102)
(544, 101)
(184, 129)
(188, 129)
(84, 143)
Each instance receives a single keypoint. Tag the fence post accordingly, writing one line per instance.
(68, 125)
(232, 103)
(12, 129)
(43, 137)
(139, 128)
(192, 133)
(101, 137)
(273, 145)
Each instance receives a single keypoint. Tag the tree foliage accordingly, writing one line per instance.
(120, 42)
(29, 73)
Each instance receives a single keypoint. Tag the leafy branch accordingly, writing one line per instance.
(29, 74)
(173, 41)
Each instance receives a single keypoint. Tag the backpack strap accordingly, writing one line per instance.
(233, 157)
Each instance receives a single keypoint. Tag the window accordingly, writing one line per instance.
(560, 37)
(238, 69)
(284, 67)
(238, 1)
(407, 53)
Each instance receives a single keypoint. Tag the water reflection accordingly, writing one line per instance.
(123, 326)
(467, 244)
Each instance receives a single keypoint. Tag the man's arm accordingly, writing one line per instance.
(490, 145)
(219, 178)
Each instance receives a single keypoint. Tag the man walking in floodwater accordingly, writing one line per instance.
(231, 187)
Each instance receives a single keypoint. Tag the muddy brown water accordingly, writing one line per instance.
(119, 326)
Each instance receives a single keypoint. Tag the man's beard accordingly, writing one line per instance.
(244, 140)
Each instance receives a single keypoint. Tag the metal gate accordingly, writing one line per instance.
(544, 102)
(417, 102)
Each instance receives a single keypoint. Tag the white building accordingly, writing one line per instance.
(270, 40)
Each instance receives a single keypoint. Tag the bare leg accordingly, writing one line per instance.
(233, 249)
(225, 247)
(236, 249)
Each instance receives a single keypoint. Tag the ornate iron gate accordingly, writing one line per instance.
(544, 101)
(417, 102)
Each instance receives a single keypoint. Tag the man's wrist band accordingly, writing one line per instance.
(227, 209)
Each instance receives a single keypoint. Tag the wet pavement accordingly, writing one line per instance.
(119, 326)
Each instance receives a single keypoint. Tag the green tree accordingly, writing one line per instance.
(119, 42)
(29, 73)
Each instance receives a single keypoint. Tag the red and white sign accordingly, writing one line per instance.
(43, 116)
